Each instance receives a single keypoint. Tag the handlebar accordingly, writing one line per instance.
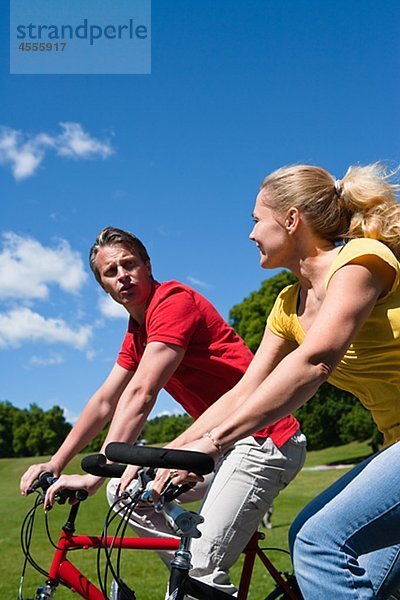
(149, 458)
(166, 458)
(96, 464)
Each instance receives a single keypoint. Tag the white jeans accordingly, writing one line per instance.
(235, 498)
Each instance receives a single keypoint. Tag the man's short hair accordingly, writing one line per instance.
(112, 236)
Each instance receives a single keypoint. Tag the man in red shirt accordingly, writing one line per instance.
(177, 340)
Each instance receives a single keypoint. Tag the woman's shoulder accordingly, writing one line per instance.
(282, 320)
(363, 246)
(288, 296)
(286, 302)
(358, 247)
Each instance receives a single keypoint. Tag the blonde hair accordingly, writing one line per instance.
(361, 204)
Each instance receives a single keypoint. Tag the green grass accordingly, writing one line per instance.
(143, 570)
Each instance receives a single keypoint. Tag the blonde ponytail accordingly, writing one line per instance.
(371, 199)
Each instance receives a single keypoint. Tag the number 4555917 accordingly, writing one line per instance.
(42, 46)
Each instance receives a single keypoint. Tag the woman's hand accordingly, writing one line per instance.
(30, 476)
(175, 476)
(180, 476)
(90, 483)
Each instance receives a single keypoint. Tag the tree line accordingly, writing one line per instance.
(332, 417)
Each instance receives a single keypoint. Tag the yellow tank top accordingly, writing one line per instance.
(370, 369)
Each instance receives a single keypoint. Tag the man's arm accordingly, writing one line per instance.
(94, 417)
(158, 363)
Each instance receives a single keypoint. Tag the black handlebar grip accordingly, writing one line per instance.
(167, 458)
(96, 464)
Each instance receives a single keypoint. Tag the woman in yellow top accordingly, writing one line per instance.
(340, 323)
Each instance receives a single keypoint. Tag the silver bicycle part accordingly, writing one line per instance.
(182, 522)
(44, 592)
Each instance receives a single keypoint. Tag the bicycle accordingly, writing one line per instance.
(183, 523)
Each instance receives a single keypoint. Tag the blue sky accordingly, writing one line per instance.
(237, 89)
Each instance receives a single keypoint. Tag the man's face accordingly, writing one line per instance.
(124, 275)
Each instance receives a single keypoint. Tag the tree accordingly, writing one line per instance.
(30, 432)
(332, 416)
(7, 412)
(165, 428)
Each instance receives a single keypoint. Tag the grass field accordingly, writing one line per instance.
(143, 570)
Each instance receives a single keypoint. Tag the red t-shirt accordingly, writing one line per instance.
(215, 356)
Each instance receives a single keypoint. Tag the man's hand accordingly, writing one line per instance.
(30, 476)
(90, 483)
(128, 476)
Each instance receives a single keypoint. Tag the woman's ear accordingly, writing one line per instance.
(292, 219)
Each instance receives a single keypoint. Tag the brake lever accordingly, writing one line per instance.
(44, 481)
(173, 491)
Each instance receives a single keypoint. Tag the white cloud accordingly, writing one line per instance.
(111, 309)
(169, 413)
(198, 282)
(27, 268)
(70, 416)
(24, 157)
(24, 153)
(74, 142)
(53, 359)
(22, 324)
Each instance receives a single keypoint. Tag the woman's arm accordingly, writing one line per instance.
(270, 352)
(350, 298)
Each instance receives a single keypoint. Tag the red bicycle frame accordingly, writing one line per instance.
(63, 570)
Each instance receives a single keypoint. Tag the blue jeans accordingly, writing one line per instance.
(346, 542)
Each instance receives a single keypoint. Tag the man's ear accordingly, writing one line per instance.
(148, 267)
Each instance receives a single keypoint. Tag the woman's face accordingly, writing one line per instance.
(270, 233)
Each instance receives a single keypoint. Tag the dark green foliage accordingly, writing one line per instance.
(248, 318)
(7, 412)
(332, 416)
(165, 428)
(97, 442)
(31, 432)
